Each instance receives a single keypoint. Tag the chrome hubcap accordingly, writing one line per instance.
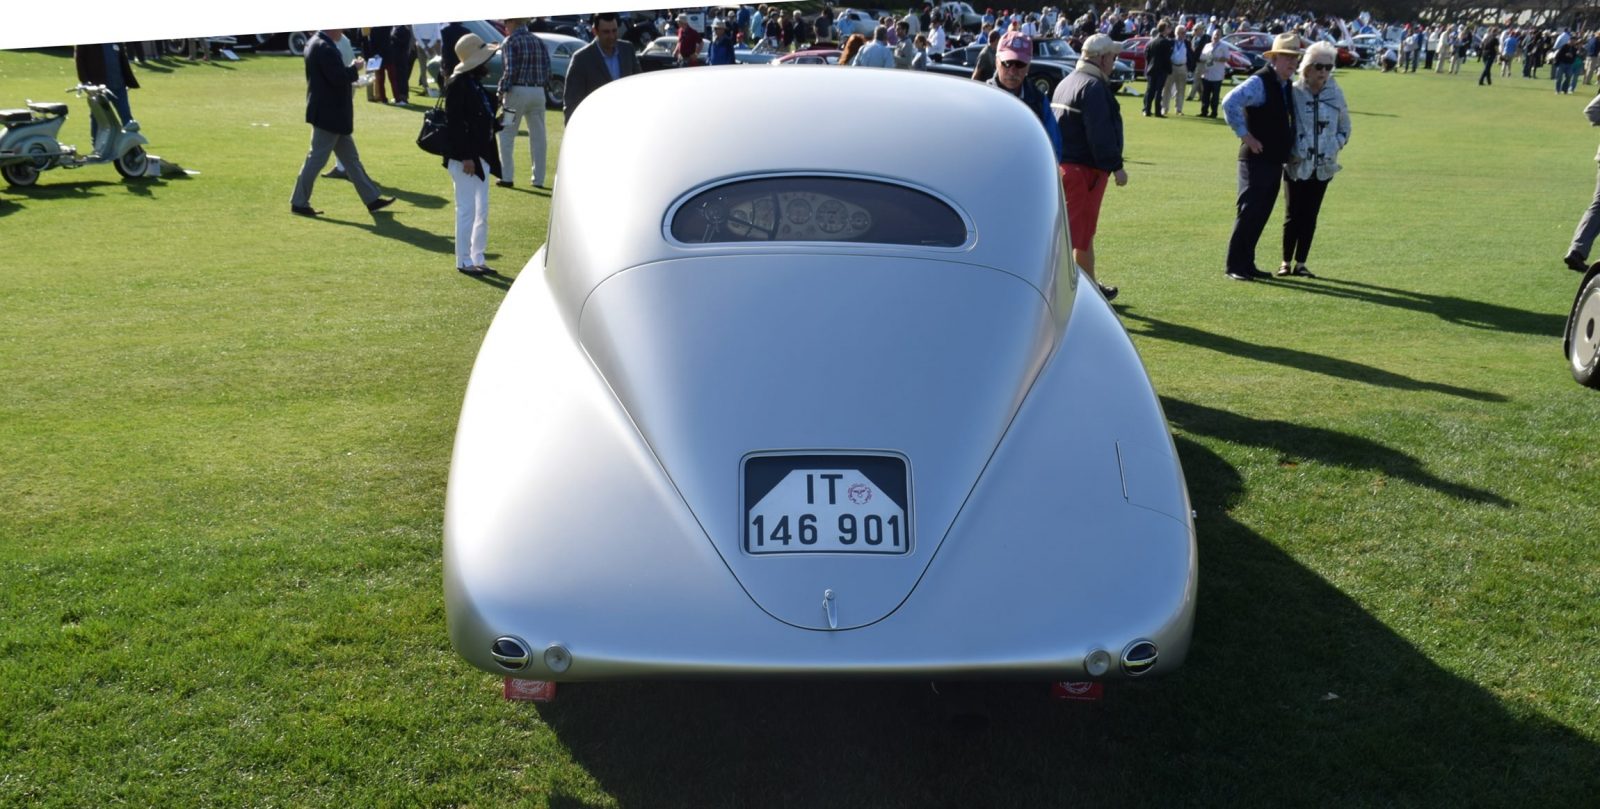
(1586, 330)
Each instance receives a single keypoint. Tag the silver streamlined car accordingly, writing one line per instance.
(789, 406)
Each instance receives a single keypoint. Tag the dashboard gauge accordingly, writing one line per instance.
(831, 216)
(799, 212)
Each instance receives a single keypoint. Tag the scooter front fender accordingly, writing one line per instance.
(129, 140)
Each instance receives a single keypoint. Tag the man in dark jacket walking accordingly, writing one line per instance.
(1091, 145)
(1489, 50)
(332, 117)
(1157, 67)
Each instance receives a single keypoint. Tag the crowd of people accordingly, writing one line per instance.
(1291, 116)
(1290, 133)
(1444, 48)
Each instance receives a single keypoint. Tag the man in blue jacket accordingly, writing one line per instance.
(332, 117)
(1012, 58)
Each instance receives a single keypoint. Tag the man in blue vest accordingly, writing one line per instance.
(1260, 113)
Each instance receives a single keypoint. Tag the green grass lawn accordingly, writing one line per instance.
(225, 432)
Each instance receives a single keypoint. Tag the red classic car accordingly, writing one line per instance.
(1134, 47)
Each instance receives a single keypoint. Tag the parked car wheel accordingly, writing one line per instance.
(1042, 84)
(133, 164)
(297, 41)
(555, 92)
(1583, 334)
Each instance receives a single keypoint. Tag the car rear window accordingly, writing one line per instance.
(817, 209)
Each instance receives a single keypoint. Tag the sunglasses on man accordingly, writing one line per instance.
(1014, 64)
(1321, 66)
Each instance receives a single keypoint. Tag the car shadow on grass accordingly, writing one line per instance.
(1294, 358)
(1451, 309)
(1296, 442)
(1293, 694)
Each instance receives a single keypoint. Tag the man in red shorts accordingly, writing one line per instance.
(1091, 145)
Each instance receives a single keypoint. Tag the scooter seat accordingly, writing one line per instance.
(48, 107)
(15, 116)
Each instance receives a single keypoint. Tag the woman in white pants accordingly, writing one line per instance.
(471, 155)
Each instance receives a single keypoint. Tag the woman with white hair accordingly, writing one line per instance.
(1322, 128)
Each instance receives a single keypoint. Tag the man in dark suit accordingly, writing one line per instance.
(332, 117)
(603, 60)
(1157, 67)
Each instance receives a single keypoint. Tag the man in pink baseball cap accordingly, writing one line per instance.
(1012, 57)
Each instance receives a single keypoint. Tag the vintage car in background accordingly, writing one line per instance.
(962, 14)
(1044, 75)
(1239, 62)
(805, 406)
(1054, 60)
(816, 56)
(854, 21)
(560, 47)
(658, 55)
(1582, 342)
(1256, 42)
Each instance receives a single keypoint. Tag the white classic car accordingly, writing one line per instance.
(788, 405)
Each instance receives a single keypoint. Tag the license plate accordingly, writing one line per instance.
(826, 504)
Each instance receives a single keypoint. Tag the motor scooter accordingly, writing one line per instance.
(29, 144)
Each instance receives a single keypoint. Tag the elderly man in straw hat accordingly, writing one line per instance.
(1259, 111)
(1091, 145)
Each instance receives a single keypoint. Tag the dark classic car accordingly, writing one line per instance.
(818, 56)
(1053, 60)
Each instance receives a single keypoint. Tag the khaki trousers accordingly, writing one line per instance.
(1176, 84)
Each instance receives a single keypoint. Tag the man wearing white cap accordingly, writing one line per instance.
(1260, 112)
(1091, 145)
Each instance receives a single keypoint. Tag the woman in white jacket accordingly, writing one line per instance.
(1321, 128)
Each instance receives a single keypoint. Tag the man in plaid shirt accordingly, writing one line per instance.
(527, 70)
